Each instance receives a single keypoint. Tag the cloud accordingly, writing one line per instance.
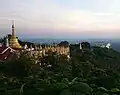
(45, 15)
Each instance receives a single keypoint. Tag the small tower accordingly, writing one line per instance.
(31, 47)
(43, 52)
(36, 48)
(31, 50)
(40, 47)
(7, 42)
(80, 46)
(25, 47)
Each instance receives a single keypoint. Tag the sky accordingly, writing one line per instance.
(61, 18)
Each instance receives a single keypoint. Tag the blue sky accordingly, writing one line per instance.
(61, 18)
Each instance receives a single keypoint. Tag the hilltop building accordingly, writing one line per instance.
(13, 43)
(108, 46)
(12, 46)
(6, 53)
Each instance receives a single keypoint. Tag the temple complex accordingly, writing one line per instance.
(43, 51)
(13, 43)
(35, 51)
(13, 40)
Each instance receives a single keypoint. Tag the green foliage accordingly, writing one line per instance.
(64, 43)
(88, 72)
(85, 45)
(17, 67)
(81, 87)
(115, 90)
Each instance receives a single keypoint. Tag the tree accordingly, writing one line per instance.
(85, 45)
(18, 67)
(64, 43)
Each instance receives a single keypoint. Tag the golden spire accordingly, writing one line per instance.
(13, 29)
(13, 40)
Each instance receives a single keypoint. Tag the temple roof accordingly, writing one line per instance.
(6, 53)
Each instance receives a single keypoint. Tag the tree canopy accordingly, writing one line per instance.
(87, 72)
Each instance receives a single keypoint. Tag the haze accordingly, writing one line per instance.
(61, 18)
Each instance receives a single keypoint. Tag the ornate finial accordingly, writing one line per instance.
(13, 29)
(12, 23)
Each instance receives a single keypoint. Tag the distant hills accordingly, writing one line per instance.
(116, 46)
(115, 43)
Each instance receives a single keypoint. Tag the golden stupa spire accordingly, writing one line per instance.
(13, 29)
(13, 40)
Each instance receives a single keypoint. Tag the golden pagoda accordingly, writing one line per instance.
(13, 40)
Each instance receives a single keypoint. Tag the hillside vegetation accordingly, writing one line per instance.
(91, 71)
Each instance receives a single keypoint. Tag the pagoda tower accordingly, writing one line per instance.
(13, 40)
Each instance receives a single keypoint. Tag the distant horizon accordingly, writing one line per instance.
(69, 39)
(64, 38)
